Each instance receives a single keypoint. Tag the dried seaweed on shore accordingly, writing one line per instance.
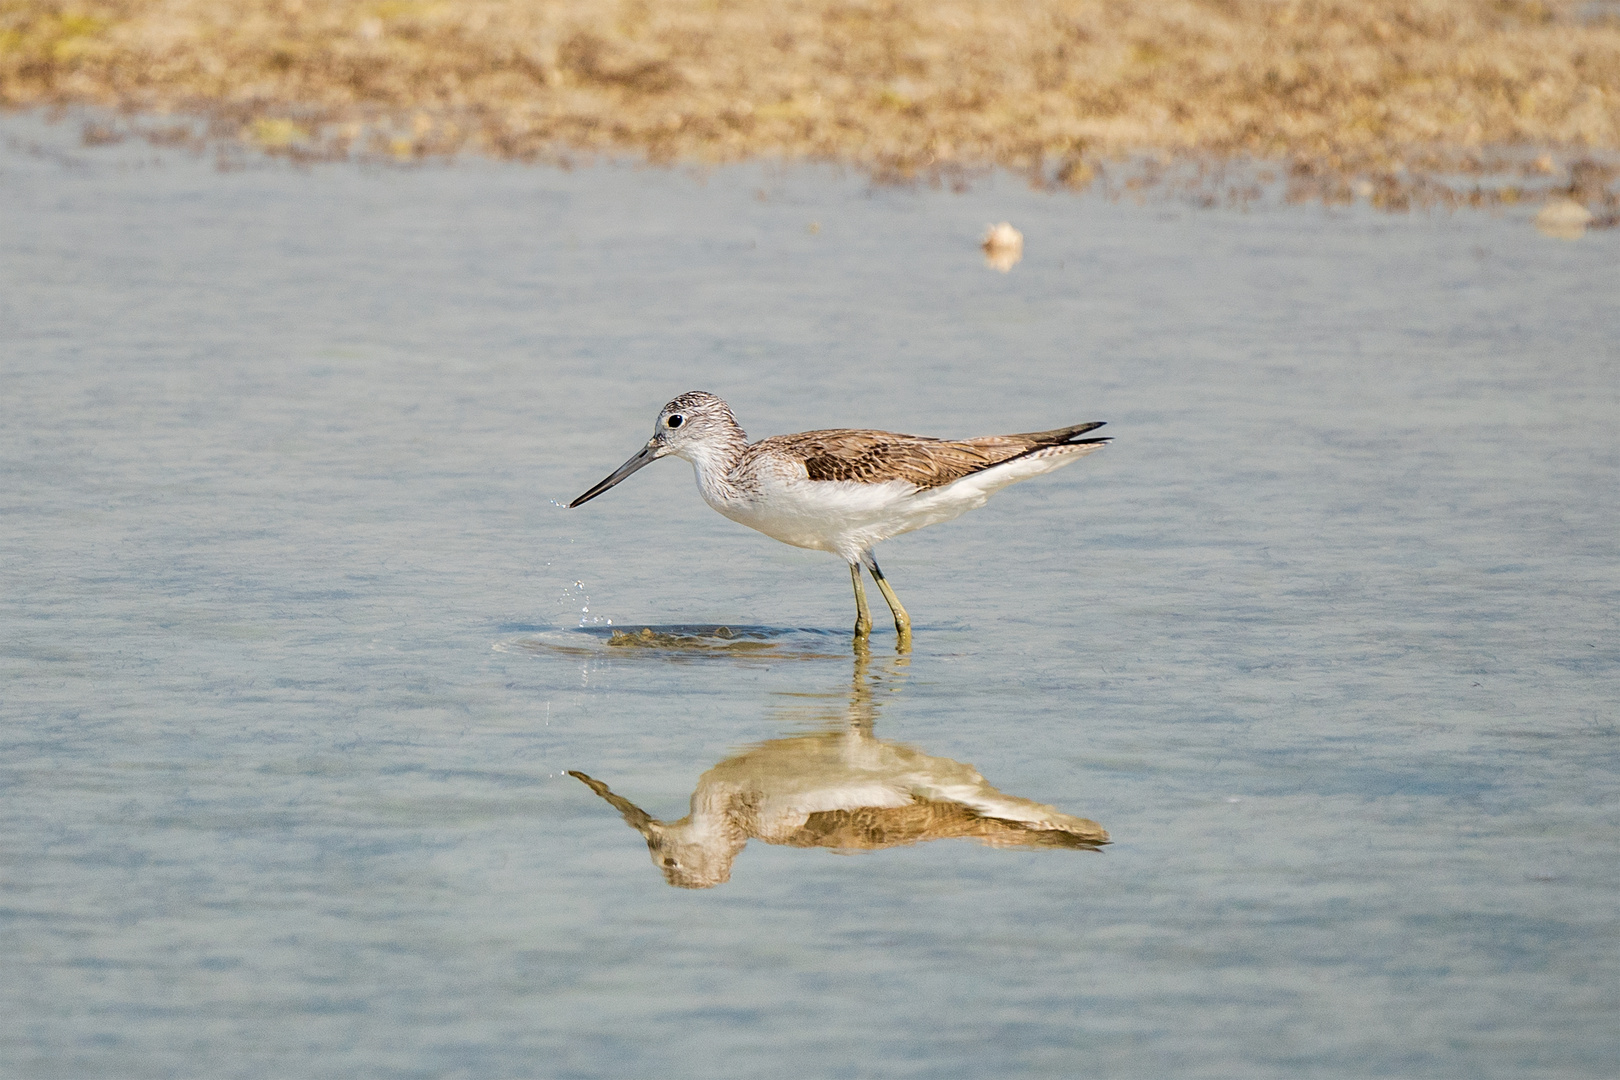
(1401, 101)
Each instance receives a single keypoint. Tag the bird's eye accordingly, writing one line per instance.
(675, 421)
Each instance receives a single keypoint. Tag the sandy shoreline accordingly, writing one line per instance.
(1400, 102)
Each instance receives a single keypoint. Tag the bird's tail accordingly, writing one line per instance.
(1063, 436)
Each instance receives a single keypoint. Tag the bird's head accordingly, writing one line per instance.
(687, 427)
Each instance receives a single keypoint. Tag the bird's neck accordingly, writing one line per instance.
(714, 459)
(712, 829)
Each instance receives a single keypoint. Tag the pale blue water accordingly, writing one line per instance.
(291, 677)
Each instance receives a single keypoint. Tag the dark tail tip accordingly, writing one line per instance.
(1081, 429)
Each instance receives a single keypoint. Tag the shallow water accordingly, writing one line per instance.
(294, 669)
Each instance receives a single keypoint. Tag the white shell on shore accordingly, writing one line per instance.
(1565, 219)
(1003, 246)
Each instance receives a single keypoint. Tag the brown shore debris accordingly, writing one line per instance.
(1397, 102)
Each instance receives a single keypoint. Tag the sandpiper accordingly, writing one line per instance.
(842, 788)
(845, 490)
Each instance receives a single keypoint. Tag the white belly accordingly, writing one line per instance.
(847, 518)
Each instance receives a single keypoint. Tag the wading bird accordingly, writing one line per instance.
(845, 490)
(841, 788)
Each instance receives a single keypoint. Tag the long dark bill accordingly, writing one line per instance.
(634, 816)
(645, 456)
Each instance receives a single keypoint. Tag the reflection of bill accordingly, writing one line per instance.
(843, 789)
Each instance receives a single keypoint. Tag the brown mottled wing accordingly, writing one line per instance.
(875, 457)
(871, 827)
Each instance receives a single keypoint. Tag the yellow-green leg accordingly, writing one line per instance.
(863, 614)
(902, 621)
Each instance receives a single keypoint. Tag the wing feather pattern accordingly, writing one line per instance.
(876, 457)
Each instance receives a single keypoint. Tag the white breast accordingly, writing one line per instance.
(825, 515)
(846, 517)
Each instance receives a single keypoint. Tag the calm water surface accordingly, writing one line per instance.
(299, 647)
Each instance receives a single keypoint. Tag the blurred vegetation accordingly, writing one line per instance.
(1396, 100)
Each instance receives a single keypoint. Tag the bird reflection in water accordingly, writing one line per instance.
(840, 788)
